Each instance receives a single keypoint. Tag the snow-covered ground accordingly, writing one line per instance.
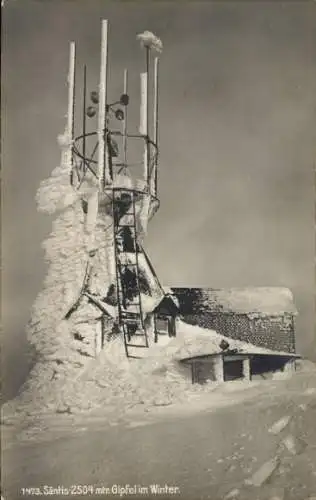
(85, 384)
(106, 420)
(235, 440)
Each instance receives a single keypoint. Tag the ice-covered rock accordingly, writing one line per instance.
(293, 444)
(278, 426)
(232, 494)
(262, 475)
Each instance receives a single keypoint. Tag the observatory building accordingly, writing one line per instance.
(255, 327)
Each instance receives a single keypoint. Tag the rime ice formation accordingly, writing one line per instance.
(66, 347)
(101, 293)
(150, 40)
(68, 375)
(97, 267)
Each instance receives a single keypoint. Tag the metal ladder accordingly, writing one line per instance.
(126, 250)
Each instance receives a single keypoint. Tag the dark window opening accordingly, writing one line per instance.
(264, 366)
(203, 372)
(233, 370)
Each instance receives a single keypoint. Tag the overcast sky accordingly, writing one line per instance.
(237, 138)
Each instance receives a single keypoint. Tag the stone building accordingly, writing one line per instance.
(256, 327)
(228, 366)
(261, 316)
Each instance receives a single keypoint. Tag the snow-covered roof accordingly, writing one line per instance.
(168, 301)
(192, 340)
(251, 300)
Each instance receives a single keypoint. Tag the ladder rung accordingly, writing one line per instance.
(136, 325)
(128, 301)
(126, 264)
(138, 335)
(133, 312)
(134, 321)
(136, 345)
(135, 317)
(136, 313)
(129, 313)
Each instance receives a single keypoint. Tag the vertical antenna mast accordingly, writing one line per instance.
(125, 120)
(143, 129)
(84, 116)
(103, 163)
(147, 115)
(154, 173)
(71, 102)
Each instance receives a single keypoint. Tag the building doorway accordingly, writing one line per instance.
(163, 325)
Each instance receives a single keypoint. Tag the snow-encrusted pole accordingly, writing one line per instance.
(124, 125)
(84, 115)
(103, 171)
(154, 173)
(103, 160)
(71, 107)
(150, 42)
(147, 145)
(143, 128)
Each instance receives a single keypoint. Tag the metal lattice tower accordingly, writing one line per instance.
(100, 159)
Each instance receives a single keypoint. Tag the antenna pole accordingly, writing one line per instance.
(125, 120)
(71, 102)
(156, 68)
(84, 116)
(143, 119)
(104, 175)
(147, 116)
